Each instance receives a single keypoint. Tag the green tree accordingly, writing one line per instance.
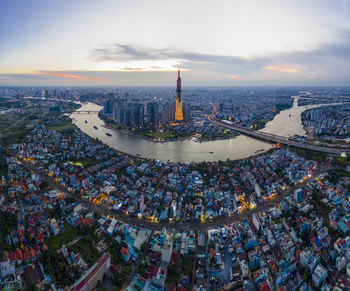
(44, 185)
(144, 247)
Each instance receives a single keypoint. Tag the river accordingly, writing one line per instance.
(287, 122)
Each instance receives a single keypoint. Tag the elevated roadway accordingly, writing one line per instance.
(272, 138)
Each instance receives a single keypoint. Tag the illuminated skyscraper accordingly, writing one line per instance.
(178, 109)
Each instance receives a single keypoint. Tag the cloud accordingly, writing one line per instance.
(122, 53)
(128, 65)
(106, 78)
(47, 75)
(233, 77)
(71, 76)
(128, 53)
(329, 62)
(131, 69)
(345, 4)
(284, 69)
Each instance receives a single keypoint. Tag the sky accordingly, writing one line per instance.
(145, 42)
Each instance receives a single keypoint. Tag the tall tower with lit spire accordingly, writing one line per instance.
(178, 107)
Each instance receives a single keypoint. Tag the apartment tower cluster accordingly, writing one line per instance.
(153, 113)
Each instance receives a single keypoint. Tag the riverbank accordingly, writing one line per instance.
(328, 125)
(166, 135)
(260, 123)
(129, 132)
(286, 123)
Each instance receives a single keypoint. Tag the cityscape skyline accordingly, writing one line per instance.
(143, 44)
(249, 192)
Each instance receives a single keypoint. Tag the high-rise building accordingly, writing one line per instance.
(316, 114)
(178, 109)
(128, 114)
(139, 114)
(172, 110)
(166, 113)
(118, 106)
(221, 106)
(186, 109)
(108, 107)
(152, 114)
(298, 195)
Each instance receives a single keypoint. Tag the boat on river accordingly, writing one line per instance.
(259, 151)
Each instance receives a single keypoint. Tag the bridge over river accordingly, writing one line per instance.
(272, 138)
(86, 111)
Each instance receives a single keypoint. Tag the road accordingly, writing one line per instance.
(269, 137)
(179, 226)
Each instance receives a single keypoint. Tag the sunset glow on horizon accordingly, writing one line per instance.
(112, 43)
